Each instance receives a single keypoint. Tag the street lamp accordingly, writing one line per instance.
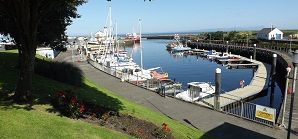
(246, 40)
(295, 63)
(290, 51)
(140, 36)
(227, 46)
(255, 51)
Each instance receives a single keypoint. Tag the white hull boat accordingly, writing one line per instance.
(196, 91)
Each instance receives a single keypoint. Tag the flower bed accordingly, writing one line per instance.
(69, 105)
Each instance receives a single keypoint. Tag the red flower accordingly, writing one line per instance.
(166, 127)
(60, 94)
(82, 107)
(73, 100)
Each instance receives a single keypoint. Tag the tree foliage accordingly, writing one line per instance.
(43, 20)
(233, 36)
(32, 23)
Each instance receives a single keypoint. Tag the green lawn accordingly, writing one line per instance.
(17, 121)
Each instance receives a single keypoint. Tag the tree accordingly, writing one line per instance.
(32, 23)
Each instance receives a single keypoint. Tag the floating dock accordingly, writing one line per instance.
(256, 85)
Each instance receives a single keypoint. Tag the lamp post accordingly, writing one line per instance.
(255, 51)
(73, 46)
(295, 63)
(223, 38)
(290, 51)
(285, 97)
(140, 24)
(246, 40)
(227, 46)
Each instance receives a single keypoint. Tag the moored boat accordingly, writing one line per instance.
(196, 91)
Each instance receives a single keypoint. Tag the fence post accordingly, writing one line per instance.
(217, 88)
(241, 114)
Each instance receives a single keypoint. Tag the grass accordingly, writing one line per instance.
(16, 121)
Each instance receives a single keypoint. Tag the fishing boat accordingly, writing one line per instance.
(171, 45)
(133, 37)
(174, 43)
(180, 48)
(196, 91)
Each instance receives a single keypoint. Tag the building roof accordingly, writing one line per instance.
(265, 30)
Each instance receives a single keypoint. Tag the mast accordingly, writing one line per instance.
(140, 24)
(116, 38)
(110, 28)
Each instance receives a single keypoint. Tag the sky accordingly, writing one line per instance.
(160, 16)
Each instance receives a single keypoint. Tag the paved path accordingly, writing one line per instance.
(215, 123)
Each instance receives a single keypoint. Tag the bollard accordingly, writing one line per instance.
(273, 68)
(273, 77)
(255, 51)
(217, 88)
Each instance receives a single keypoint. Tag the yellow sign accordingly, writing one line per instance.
(265, 113)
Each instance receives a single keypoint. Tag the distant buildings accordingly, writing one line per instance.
(270, 34)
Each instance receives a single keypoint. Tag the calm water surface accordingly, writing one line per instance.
(185, 69)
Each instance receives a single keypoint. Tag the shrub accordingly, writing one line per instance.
(59, 71)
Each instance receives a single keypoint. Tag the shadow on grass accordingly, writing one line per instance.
(230, 131)
(70, 77)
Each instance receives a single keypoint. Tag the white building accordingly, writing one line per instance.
(270, 34)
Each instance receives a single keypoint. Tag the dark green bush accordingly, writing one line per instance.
(59, 71)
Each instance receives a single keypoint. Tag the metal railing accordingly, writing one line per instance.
(168, 88)
(246, 110)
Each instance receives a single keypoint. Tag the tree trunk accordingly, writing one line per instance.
(24, 85)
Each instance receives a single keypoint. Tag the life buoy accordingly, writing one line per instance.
(242, 83)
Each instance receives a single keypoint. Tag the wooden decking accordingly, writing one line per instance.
(256, 85)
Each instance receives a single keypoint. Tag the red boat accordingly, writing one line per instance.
(159, 76)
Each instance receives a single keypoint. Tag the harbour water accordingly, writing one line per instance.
(189, 68)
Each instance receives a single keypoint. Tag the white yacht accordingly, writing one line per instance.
(196, 91)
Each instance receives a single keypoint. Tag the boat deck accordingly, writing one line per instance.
(256, 85)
